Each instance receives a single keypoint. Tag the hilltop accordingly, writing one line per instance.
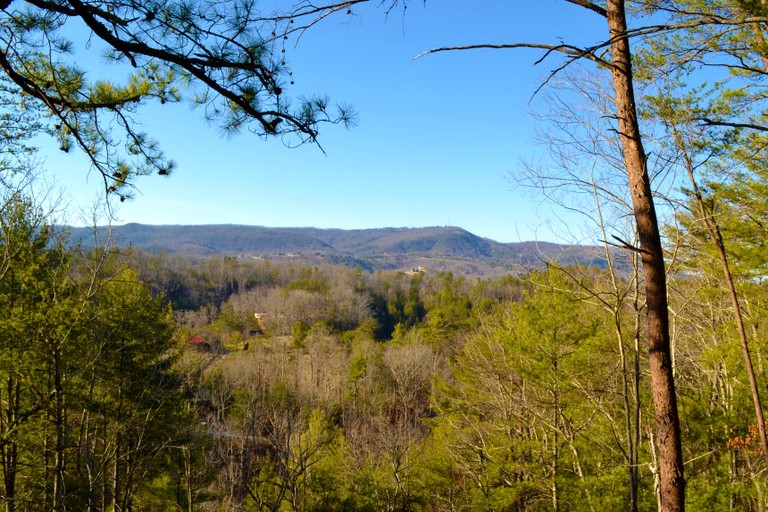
(437, 248)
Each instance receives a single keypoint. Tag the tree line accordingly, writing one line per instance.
(360, 391)
(677, 126)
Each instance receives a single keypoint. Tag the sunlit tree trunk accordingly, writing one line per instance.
(713, 230)
(672, 483)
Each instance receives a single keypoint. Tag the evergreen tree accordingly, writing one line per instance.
(227, 56)
(90, 405)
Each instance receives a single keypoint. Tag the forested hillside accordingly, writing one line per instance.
(142, 381)
(232, 368)
(439, 248)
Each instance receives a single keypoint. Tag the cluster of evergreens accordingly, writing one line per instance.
(92, 407)
(361, 391)
(565, 389)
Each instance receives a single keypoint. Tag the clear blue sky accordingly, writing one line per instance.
(436, 139)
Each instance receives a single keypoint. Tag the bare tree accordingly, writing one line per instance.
(615, 55)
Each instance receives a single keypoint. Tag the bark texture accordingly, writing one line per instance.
(672, 483)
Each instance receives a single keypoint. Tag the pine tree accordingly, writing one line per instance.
(228, 57)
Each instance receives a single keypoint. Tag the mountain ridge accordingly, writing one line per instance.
(437, 247)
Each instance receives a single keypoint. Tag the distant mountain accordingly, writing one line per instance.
(438, 248)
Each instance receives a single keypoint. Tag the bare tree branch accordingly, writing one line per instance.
(589, 5)
(711, 122)
(567, 49)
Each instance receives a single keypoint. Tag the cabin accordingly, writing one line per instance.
(199, 343)
(260, 324)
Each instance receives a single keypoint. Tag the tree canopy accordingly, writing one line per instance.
(530, 397)
(226, 57)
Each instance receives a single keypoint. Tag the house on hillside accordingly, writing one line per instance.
(260, 326)
(199, 343)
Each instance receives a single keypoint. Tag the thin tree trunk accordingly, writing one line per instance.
(188, 477)
(556, 438)
(10, 448)
(672, 483)
(58, 481)
(117, 482)
(615, 309)
(713, 229)
(635, 459)
(655, 468)
(631, 449)
(85, 450)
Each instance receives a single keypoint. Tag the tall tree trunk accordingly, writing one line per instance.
(635, 458)
(672, 482)
(85, 449)
(631, 410)
(117, 474)
(713, 229)
(187, 458)
(555, 436)
(59, 424)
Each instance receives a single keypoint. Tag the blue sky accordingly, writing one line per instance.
(436, 140)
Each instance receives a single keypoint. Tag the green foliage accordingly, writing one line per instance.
(91, 402)
(309, 281)
(520, 415)
(299, 332)
(227, 57)
(504, 390)
(486, 395)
